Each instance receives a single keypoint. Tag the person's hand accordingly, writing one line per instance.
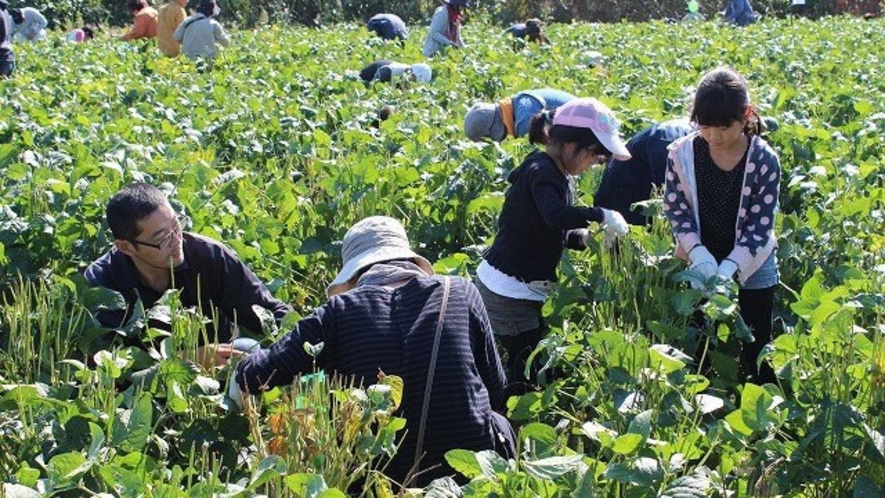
(216, 355)
(726, 270)
(703, 263)
(585, 236)
(234, 392)
(613, 220)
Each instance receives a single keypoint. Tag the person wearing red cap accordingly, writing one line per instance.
(539, 219)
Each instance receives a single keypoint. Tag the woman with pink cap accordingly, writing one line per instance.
(539, 219)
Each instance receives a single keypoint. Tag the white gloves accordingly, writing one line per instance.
(702, 262)
(727, 269)
(233, 392)
(614, 221)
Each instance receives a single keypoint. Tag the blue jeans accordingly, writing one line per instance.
(766, 276)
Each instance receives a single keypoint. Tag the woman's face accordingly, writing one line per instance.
(578, 160)
(722, 138)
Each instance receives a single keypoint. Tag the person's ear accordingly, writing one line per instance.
(124, 246)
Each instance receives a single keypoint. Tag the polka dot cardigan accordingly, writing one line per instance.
(754, 228)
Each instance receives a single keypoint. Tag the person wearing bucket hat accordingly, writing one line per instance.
(200, 34)
(145, 21)
(539, 219)
(511, 116)
(383, 315)
(7, 55)
(445, 27)
(388, 27)
(720, 197)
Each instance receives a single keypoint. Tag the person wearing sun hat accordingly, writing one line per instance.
(511, 116)
(200, 34)
(539, 219)
(445, 27)
(382, 315)
(386, 71)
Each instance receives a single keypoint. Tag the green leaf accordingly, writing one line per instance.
(552, 467)
(697, 485)
(124, 482)
(626, 444)
(66, 468)
(306, 485)
(18, 491)
(269, 468)
(641, 424)
(465, 462)
(178, 370)
(492, 463)
(132, 427)
(755, 408)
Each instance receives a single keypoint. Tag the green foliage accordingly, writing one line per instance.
(273, 152)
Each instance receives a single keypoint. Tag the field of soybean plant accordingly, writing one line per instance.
(273, 153)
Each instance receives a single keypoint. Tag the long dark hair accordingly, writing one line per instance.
(542, 131)
(722, 98)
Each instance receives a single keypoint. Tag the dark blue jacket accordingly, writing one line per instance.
(381, 328)
(388, 26)
(6, 28)
(211, 277)
(627, 182)
(537, 221)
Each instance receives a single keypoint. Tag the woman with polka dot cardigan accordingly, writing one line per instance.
(720, 197)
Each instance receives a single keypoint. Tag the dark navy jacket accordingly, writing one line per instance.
(388, 26)
(379, 328)
(537, 221)
(211, 276)
(627, 182)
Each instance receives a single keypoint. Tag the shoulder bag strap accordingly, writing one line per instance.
(419, 449)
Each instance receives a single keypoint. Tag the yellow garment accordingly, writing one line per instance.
(506, 107)
(170, 16)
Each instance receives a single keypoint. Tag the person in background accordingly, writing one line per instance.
(200, 34)
(387, 312)
(445, 27)
(169, 17)
(721, 196)
(7, 55)
(145, 24)
(511, 116)
(386, 71)
(152, 254)
(740, 13)
(693, 12)
(539, 219)
(78, 35)
(388, 27)
(30, 24)
(627, 182)
(529, 30)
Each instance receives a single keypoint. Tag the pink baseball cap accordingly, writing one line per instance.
(597, 117)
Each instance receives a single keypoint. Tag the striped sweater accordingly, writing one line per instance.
(386, 328)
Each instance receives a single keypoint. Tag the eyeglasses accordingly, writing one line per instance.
(181, 221)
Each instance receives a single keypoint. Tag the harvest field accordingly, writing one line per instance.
(272, 152)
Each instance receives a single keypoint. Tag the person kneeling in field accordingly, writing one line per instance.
(200, 34)
(152, 254)
(529, 31)
(388, 27)
(387, 312)
(511, 116)
(145, 21)
(30, 25)
(386, 71)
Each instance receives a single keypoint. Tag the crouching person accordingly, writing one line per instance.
(388, 312)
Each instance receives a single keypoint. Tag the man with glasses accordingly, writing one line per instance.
(152, 254)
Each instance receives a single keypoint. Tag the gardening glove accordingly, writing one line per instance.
(234, 392)
(703, 263)
(610, 236)
(727, 269)
(614, 221)
(585, 236)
